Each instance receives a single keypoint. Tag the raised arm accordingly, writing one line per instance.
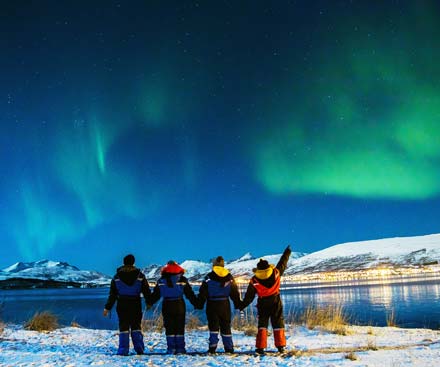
(282, 263)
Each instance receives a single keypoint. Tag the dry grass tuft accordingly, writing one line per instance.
(152, 321)
(371, 345)
(391, 319)
(331, 318)
(75, 324)
(42, 321)
(246, 321)
(193, 321)
(370, 331)
(2, 327)
(351, 356)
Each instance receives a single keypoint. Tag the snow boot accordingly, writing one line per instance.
(124, 343)
(260, 351)
(180, 344)
(138, 341)
(213, 341)
(280, 338)
(227, 343)
(261, 342)
(171, 344)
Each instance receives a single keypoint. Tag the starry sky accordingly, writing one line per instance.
(184, 129)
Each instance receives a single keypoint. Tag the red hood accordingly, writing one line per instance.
(173, 269)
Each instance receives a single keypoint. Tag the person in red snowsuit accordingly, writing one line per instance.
(266, 284)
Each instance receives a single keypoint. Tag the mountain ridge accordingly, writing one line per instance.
(398, 252)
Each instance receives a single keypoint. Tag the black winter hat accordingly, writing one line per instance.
(129, 260)
(263, 265)
(219, 261)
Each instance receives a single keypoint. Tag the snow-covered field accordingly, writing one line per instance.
(85, 347)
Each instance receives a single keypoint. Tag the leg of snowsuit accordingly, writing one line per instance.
(138, 341)
(277, 321)
(124, 343)
(264, 311)
(124, 327)
(180, 333)
(213, 326)
(135, 327)
(263, 322)
(225, 326)
(168, 321)
(173, 313)
(130, 316)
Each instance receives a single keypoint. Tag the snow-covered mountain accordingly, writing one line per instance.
(396, 252)
(196, 270)
(54, 271)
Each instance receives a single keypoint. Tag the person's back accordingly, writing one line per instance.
(172, 286)
(125, 289)
(216, 289)
(266, 284)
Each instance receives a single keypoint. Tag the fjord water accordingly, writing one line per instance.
(415, 304)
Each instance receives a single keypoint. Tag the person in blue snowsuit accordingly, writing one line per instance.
(125, 289)
(216, 289)
(172, 286)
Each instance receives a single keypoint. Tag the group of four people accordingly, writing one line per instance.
(216, 290)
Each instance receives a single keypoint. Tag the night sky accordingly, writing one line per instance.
(193, 129)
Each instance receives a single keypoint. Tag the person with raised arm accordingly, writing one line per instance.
(266, 285)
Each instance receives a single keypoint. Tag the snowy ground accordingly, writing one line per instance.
(85, 347)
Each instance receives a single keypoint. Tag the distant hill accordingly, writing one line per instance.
(391, 252)
(49, 274)
(196, 270)
(399, 252)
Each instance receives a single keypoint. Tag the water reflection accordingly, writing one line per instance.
(415, 304)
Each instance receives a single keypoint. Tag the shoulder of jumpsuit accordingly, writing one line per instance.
(222, 279)
(163, 278)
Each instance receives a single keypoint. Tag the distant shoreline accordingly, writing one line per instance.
(303, 281)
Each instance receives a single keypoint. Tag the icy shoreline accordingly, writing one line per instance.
(88, 347)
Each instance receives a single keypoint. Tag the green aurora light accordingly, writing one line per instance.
(366, 125)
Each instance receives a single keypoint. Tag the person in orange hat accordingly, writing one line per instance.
(266, 284)
(171, 286)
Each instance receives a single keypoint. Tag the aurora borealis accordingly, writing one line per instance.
(193, 129)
